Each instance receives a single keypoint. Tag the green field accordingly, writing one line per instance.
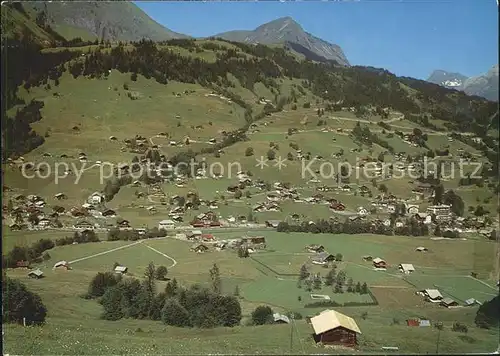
(268, 277)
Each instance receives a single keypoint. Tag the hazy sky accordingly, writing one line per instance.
(408, 37)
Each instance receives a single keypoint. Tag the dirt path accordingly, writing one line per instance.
(174, 262)
(105, 252)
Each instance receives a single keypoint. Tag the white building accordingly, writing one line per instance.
(166, 225)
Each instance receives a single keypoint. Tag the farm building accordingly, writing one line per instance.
(418, 322)
(379, 263)
(121, 269)
(195, 234)
(60, 196)
(422, 249)
(280, 319)
(109, 213)
(96, 198)
(272, 223)
(35, 274)
(331, 327)
(207, 237)
(83, 225)
(323, 258)
(199, 248)
(406, 268)
(448, 302)
(23, 264)
(367, 258)
(61, 264)
(315, 248)
(432, 295)
(471, 301)
(166, 224)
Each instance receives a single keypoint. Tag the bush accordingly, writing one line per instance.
(306, 105)
(161, 273)
(173, 313)
(262, 315)
(459, 327)
(323, 304)
(249, 151)
(19, 304)
(101, 282)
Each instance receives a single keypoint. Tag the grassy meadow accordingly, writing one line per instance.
(268, 277)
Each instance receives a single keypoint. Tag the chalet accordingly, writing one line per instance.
(19, 197)
(61, 264)
(23, 264)
(272, 223)
(412, 209)
(76, 212)
(199, 248)
(432, 295)
(442, 212)
(15, 227)
(423, 218)
(207, 237)
(43, 223)
(379, 263)
(166, 225)
(322, 258)
(448, 303)
(280, 319)
(259, 208)
(83, 225)
(121, 269)
(60, 196)
(141, 231)
(109, 213)
(273, 197)
(367, 258)
(123, 224)
(421, 249)
(362, 211)
(471, 301)
(315, 248)
(406, 268)
(194, 234)
(418, 322)
(96, 198)
(35, 274)
(332, 327)
(337, 206)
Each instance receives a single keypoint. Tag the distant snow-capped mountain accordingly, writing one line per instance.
(485, 85)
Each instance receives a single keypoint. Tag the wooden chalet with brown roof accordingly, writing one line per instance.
(331, 327)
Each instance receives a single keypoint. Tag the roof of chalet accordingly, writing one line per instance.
(36, 272)
(433, 293)
(407, 267)
(448, 301)
(281, 317)
(331, 319)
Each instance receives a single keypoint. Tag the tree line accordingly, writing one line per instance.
(177, 305)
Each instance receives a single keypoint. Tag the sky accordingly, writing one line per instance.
(407, 37)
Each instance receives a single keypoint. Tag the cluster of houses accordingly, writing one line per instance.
(435, 296)
(204, 242)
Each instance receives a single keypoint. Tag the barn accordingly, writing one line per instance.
(332, 327)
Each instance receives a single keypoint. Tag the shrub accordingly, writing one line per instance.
(459, 327)
(262, 315)
(161, 273)
(20, 305)
(101, 282)
(173, 313)
(249, 151)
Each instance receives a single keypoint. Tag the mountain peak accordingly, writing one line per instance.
(286, 30)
